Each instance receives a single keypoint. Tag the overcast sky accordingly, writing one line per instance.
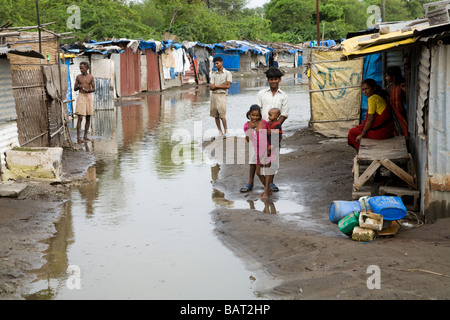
(256, 3)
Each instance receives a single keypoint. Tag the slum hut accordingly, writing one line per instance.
(9, 137)
(102, 67)
(116, 61)
(241, 56)
(174, 64)
(425, 51)
(127, 68)
(334, 89)
(150, 65)
(39, 87)
(201, 55)
(287, 54)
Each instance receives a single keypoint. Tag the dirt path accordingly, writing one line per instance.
(310, 258)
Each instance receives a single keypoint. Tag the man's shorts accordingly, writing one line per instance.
(85, 104)
(218, 105)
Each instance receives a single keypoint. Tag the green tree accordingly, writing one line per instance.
(287, 15)
(18, 12)
(207, 21)
(229, 7)
(99, 20)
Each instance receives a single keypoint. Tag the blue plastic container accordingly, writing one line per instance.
(340, 209)
(391, 208)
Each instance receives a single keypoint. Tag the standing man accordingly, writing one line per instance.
(268, 98)
(85, 102)
(219, 85)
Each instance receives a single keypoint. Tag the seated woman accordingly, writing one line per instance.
(396, 90)
(379, 123)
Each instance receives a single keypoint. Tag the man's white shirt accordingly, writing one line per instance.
(266, 100)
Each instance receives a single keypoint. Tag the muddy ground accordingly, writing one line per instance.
(309, 258)
(302, 258)
(27, 223)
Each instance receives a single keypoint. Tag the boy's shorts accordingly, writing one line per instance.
(218, 105)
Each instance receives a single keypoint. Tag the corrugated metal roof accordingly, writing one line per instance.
(21, 51)
(373, 43)
(401, 34)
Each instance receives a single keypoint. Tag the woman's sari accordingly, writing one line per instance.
(399, 112)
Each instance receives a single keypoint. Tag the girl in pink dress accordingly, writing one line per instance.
(256, 134)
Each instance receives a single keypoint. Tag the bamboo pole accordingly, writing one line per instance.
(39, 25)
(317, 22)
(323, 32)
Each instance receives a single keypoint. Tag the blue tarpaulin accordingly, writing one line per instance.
(147, 45)
(231, 59)
(69, 88)
(170, 43)
(327, 43)
(373, 69)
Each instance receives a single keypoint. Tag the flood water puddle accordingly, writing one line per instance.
(141, 228)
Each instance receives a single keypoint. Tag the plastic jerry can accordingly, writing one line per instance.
(340, 209)
(363, 234)
(370, 220)
(349, 222)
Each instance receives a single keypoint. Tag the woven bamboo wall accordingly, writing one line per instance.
(31, 106)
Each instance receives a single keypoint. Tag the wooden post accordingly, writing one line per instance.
(39, 26)
(317, 22)
(323, 32)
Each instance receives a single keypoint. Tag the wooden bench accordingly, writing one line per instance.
(389, 153)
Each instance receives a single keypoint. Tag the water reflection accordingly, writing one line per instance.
(269, 206)
(140, 228)
(50, 278)
(89, 191)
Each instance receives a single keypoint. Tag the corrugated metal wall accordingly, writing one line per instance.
(153, 80)
(9, 138)
(130, 72)
(7, 104)
(395, 58)
(423, 88)
(417, 145)
(439, 133)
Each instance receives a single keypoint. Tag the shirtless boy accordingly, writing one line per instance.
(85, 102)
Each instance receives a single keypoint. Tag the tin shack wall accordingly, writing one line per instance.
(153, 74)
(9, 136)
(419, 84)
(7, 104)
(438, 153)
(130, 72)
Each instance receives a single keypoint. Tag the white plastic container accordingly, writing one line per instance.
(370, 220)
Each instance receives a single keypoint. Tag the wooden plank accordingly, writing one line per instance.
(393, 149)
(402, 174)
(355, 169)
(411, 169)
(366, 175)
